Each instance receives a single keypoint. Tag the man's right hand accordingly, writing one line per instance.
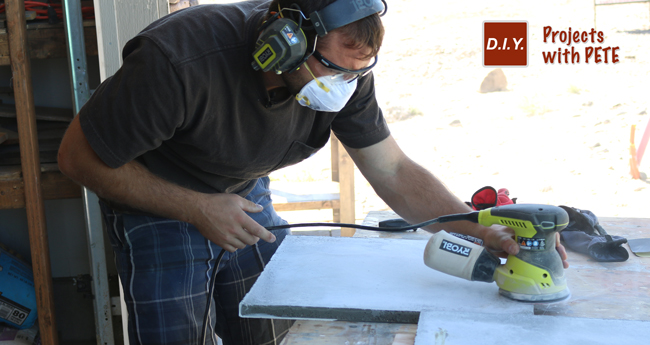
(222, 219)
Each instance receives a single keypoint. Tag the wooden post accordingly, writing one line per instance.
(634, 165)
(346, 190)
(334, 157)
(334, 142)
(642, 145)
(26, 115)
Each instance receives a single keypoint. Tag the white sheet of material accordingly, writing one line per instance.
(437, 328)
(364, 279)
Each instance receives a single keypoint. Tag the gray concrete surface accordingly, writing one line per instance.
(364, 279)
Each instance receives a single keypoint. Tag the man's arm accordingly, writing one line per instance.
(417, 195)
(219, 217)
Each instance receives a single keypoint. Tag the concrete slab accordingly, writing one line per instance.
(364, 279)
(437, 327)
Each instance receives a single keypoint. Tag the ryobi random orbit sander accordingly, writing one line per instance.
(535, 274)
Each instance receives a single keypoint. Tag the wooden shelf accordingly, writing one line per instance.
(45, 41)
(55, 186)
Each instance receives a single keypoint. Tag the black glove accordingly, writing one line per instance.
(584, 235)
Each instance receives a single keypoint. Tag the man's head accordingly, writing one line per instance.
(350, 47)
(365, 32)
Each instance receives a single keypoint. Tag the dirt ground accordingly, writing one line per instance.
(559, 134)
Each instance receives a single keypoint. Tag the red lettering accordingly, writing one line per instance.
(606, 50)
(576, 37)
(575, 57)
(601, 37)
(548, 57)
(614, 55)
(588, 52)
(598, 59)
(584, 37)
(566, 55)
(547, 32)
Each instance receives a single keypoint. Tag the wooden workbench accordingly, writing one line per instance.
(603, 290)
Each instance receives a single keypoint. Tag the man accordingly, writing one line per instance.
(178, 145)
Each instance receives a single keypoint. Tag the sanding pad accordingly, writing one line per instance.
(549, 298)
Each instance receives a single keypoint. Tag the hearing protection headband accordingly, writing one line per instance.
(344, 12)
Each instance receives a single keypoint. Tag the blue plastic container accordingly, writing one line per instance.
(17, 294)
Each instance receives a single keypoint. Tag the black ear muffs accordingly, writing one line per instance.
(281, 45)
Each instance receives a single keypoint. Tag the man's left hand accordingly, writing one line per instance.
(500, 240)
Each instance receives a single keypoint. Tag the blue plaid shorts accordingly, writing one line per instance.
(165, 267)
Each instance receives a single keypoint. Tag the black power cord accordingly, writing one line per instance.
(471, 216)
(213, 279)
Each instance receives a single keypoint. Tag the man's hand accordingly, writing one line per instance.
(222, 219)
(500, 240)
(560, 249)
(416, 195)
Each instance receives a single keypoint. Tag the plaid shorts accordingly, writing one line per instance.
(165, 267)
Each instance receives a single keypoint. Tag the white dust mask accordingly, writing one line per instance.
(326, 93)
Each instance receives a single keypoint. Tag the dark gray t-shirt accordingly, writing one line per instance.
(187, 104)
